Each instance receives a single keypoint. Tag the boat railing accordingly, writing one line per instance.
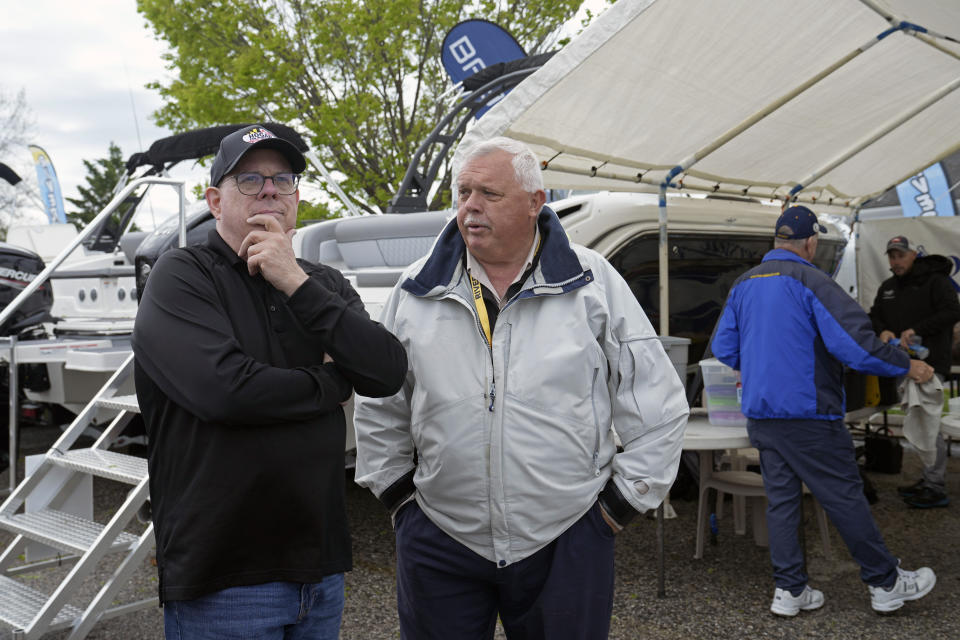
(90, 228)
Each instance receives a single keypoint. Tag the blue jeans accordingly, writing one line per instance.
(271, 611)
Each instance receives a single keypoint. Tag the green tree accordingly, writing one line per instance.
(102, 176)
(314, 211)
(362, 81)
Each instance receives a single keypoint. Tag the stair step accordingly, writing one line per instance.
(102, 463)
(121, 403)
(19, 605)
(63, 531)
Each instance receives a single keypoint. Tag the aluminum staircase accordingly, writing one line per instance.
(86, 543)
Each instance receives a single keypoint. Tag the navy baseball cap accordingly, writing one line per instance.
(797, 223)
(255, 136)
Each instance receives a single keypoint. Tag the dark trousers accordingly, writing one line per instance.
(820, 454)
(562, 592)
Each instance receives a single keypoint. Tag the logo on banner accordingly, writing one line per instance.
(473, 45)
(926, 194)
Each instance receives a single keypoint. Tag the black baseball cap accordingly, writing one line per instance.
(899, 242)
(255, 136)
(797, 223)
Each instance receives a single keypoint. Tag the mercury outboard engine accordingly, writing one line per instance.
(18, 268)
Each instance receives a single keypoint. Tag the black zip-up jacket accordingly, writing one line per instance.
(923, 299)
(245, 426)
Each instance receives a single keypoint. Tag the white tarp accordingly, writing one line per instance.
(934, 235)
(726, 89)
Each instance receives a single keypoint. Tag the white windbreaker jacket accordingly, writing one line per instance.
(514, 440)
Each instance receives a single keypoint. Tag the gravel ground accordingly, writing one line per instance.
(724, 595)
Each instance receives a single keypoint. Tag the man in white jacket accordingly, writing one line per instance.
(497, 459)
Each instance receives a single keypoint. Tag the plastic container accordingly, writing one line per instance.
(721, 394)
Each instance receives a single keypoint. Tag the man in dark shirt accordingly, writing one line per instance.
(919, 304)
(244, 355)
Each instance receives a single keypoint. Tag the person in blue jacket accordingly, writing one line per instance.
(789, 329)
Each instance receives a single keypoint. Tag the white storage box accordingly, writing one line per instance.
(721, 394)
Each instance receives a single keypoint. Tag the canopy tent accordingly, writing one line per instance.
(843, 98)
(828, 102)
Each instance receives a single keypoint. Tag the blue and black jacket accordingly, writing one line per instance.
(789, 329)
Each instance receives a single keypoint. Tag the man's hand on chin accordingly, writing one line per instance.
(269, 251)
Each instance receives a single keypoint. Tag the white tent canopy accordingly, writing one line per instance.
(835, 99)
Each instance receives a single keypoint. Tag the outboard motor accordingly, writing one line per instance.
(18, 268)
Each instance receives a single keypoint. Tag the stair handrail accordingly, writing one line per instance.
(18, 493)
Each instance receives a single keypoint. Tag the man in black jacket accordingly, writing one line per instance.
(920, 301)
(244, 356)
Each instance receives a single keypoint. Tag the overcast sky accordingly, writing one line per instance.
(83, 66)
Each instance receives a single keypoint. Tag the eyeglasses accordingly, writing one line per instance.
(251, 184)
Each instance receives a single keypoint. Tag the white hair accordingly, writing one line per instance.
(789, 243)
(526, 167)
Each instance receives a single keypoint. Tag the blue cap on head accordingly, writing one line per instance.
(797, 223)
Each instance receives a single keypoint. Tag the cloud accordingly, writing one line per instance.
(83, 67)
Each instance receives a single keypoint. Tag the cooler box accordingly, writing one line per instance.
(721, 396)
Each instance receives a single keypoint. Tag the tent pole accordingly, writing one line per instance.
(855, 235)
(908, 27)
(664, 275)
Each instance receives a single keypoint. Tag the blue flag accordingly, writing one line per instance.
(49, 185)
(476, 44)
(926, 194)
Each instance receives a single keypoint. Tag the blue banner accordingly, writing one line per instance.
(926, 194)
(473, 45)
(49, 185)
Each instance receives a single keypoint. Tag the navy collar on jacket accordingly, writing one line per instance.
(558, 261)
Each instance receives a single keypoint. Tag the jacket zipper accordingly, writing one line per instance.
(493, 375)
(596, 423)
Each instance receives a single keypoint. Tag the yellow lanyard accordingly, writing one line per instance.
(481, 308)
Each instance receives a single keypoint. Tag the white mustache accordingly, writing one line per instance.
(473, 221)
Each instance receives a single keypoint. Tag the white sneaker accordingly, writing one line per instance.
(910, 585)
(787, 604)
